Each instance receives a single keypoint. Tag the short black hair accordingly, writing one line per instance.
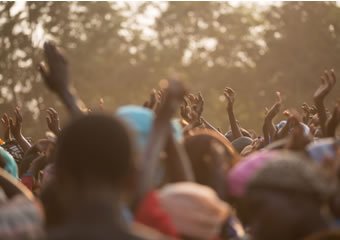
(95, 148)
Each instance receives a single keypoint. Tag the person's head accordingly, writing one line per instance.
(325, 152)
(209, 166)
(285, 197)
(95, 150)
(240, 143)
(229, 135)
(204, 213)
(239, 177)
(140, 121)
(8, 163)
(282, 124)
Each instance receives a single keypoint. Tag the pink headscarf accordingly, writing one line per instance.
(240, 175)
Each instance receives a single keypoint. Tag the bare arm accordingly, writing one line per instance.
(230, 96)
(16, 129)
(178, 163)
(268, 121)
(56, 77)
(160, 132)
(328, 81)
(6, 127)
(333, 122)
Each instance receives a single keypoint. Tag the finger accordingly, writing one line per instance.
(49, 121)
(11, 124)
(43, 70)
(18, 114)
(5, 117)
(323, 80)
(49, 113)
(230, 90)
(54, 112)
(326, 75)
(200, 97)
(333, 76)
(286, 113)
(278, 95)
(191, 97)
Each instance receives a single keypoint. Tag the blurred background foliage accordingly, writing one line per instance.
(119, 51)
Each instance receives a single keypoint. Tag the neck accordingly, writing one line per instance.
(96, 206)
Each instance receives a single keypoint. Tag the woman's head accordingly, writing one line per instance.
(211, 156)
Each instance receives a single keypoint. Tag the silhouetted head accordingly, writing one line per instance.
(229, 135)
(94, 150)
(285, 197)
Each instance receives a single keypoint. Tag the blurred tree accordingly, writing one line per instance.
(119, 51)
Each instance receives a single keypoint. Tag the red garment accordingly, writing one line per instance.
(28, 182)
(152, 215)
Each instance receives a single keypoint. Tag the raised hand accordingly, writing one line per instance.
(275, 109)
(6, 127)
(56, 73)
(306, 113)
(333, 121)
(192, 109)
(159, 98)
(16, 130)
(269, 127)
(298, 140)
(16, 126)
(174, 92)
(328, 80)
(52, 119)
(229, 94)
(170, 98)
(151, 103)
(101, 104)
(198, 104)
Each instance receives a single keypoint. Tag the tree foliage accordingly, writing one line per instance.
(114, 54)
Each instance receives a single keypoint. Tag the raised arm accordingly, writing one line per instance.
(177, 162)
(334, 121)
(52, 120)
(269, 126)
(56, 76)
(160, 132)
(16, 130)
(328, 81)
(230, 96)
(6, 127)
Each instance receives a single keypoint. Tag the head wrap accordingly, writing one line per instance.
(323, 148)
(290, 171)
(241, 174)
(140, 120)
(10, 164)
(195, 210)
(281, 124)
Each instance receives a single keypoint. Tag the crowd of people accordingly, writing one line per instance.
(160, 170)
